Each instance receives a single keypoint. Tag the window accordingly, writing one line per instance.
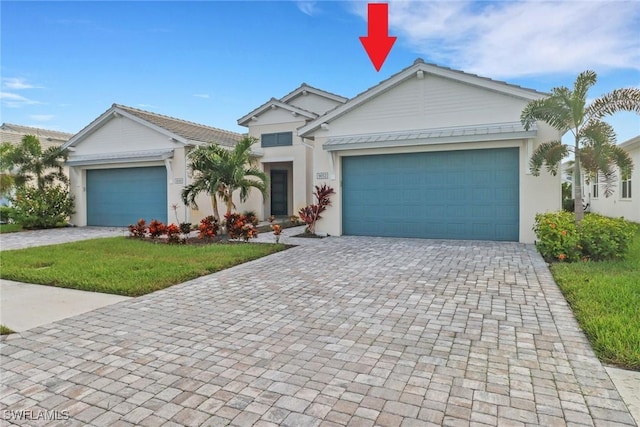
(594, 187)
(626, 187)
(277, 139)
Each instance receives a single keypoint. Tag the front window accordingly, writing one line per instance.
(277, 139)
(626, 187)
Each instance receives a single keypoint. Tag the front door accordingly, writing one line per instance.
(279, 202)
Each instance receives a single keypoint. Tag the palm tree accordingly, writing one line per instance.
(6, 175)
(594, 141)
(30, 162)
(220, 172)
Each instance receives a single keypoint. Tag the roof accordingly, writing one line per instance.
(121, 157)
(419, 68)
(283, 103)
(455, 134)
(14, 133)
(631, 144)
(181, 130)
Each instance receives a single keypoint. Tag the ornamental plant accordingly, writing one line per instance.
(42, 207)
(595, 238)
(138, 230)
(311, 214)
(157, 229)
(208, 228)
(240, 227)
(277, 230)
(173, 233)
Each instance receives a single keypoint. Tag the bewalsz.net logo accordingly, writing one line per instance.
(33, 414)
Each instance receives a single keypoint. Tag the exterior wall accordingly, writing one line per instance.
(296, 155)
(431, 102)
(312, 102)
(120, 135)
(615, 205)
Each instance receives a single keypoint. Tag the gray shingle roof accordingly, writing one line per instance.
(188, 130)
(14, 133)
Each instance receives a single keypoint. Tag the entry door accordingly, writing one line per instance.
(279, 202)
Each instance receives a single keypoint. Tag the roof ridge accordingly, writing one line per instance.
(34, 128)
(164, 116)
(305, 85)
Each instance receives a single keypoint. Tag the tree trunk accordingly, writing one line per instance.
(577, 182)
(214, 205)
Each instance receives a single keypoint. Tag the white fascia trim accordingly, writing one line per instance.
(315, 91)
(411, 73)
(274, 102)
(430, 141)
(277, 160)
(132, 157)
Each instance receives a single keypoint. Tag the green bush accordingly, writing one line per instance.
(6, 214)
(596, 238)
(42, 208)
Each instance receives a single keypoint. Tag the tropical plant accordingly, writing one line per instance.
(208, 227)
(139, 229)
(311, 214)
(239, 226)
(594, 141)
(220, 172)
(7, 178)
(31, 163)
(42, 208)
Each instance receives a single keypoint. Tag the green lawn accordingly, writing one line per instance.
(124, 266)
(605, 298)
(10, 228)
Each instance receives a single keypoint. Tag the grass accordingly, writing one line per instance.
(605, 298)
(10, 228)
(4, 330)
(124, 266)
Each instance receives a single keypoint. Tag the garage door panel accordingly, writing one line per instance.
(471, 194)
(119, 197)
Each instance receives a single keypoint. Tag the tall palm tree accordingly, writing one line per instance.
(220, 172)
(30, 163)
(594, 141)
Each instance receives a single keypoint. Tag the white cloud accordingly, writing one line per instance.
(201, 95)
(14, 100)
(17, 83)
(508, 39)
(307, 7)
(42, 117)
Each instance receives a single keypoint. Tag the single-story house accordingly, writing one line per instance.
(622, 202)
(130, 164)
(48, 138)
(429, 152)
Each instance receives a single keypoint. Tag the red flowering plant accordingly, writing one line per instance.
(277, 230)
(138, 230)
(173, 234)
(208, 227)
(240, 227)
(157, 229)
(311, 214)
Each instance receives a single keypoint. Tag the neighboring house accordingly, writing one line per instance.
(48, 138)
(130, 164)
(623, 202)
(429, 152)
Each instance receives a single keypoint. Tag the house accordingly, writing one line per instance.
(429, 152)
(48, 138)
(623, 202)
(129, 164)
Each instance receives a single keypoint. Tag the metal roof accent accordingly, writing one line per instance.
(121, 157)
(448, 135)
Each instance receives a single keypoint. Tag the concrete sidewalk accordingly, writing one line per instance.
(24, 306)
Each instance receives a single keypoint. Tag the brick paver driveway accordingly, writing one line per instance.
(352, 331)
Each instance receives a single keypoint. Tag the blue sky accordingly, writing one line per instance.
(211, 62)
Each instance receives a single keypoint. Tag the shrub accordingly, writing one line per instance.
(251, 217)
(208, 227)
(157, 229)
(42, 208)
(6, 214)
(185, 228)
(311, 214)
(240, 227)
(173, 233)
(138, 230)
(596, 238)
(277, 230)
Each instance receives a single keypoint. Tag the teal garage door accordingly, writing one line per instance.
(469, 195)
(119, 197)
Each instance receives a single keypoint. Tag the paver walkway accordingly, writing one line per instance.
(54, 236)
(351, 331)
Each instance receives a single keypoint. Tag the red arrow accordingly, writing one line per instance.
(378, 43)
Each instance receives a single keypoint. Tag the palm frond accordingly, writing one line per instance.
(552, 110)
(549, 154)
(626, 99)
